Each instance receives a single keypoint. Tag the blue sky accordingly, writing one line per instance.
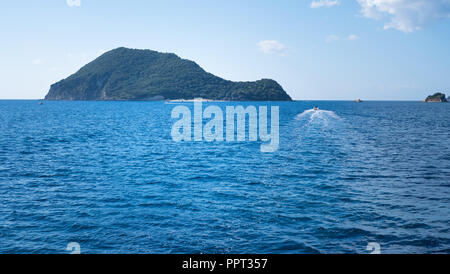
(322, 49)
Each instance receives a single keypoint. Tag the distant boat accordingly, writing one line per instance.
(40, 103)
(358, 101)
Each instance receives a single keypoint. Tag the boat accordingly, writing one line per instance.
(358, 101)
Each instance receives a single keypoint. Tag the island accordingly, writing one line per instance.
(436, 98)
(133, 74)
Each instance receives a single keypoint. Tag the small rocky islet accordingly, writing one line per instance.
(436, 98)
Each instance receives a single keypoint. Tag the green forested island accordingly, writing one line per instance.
(131, 74)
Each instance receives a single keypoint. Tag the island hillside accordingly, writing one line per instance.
(131, 74)
(436, 98)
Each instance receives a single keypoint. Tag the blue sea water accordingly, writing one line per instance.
(108, 176)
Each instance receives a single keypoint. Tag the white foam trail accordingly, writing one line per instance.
(306, 112)
(318, 113)
(318, 116)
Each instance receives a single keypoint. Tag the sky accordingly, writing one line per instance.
(317, 50)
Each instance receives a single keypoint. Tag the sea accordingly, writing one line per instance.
(109, 177)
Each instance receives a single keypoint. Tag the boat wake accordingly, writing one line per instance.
(318, 117)
(324, 127)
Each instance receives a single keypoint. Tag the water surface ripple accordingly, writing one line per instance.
(108, 176)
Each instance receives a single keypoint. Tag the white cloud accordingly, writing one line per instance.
(37, 61)
(324, 3)
(405, 15)
(73, 3)
(331, 38)
(271, 46)
(352, 37)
